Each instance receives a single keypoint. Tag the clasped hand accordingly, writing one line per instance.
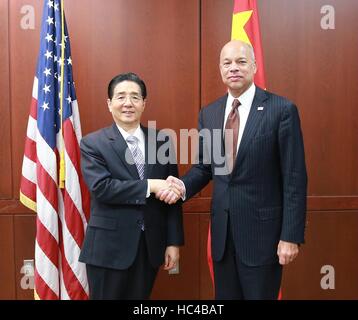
(169, 190)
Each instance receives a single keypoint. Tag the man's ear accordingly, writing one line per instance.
(255, 67)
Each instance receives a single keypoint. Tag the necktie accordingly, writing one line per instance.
(232, 128)
(137, 155)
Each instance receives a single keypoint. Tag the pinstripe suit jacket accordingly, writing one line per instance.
(265, 195)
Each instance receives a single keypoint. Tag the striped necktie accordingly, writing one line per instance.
(137, 155)
(232, 126)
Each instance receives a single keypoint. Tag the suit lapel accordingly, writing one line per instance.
(218, 120)
(253, 120)
(119, 145)
(219, 114)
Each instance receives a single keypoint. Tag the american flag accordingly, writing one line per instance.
(62, 213)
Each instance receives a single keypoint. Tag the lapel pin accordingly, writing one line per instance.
(260, 108)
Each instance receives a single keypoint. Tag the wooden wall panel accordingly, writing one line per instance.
(216, 18)
(206, 285)
(318, 69)
(23, 48)
(157, 39)
(7, 265)
(331, 240)
(215, 32)
(5, 124)
(184, 285)
(24, 244)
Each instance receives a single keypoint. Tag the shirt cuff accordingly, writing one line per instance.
(148, 189)
(184, 193)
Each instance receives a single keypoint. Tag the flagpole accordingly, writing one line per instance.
(62, 153)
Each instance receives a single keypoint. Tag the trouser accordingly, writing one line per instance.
(134, 283)
(237, 281)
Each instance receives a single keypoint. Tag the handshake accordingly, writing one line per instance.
(169, 190)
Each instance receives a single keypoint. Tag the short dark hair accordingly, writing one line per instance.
(130, 76)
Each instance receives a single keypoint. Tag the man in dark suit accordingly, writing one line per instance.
(130, 233)
(259, 201)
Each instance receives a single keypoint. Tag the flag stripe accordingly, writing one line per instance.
(73, 219)
(35, 89)
(47, 239)
(29, 171)
(28, 188)
(46, 271)
(46, 157)
(30, 151)
(74, 288)
(41, 286)
(73, 168)
(46, 194)
(70, 251)
(31, 129)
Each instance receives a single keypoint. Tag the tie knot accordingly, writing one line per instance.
(235, 104)
(132, 140)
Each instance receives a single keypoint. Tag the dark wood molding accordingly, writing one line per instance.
(314, 203)
(13, 207)
(202, 205)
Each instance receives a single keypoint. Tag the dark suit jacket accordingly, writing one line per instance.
(119, 204)
(265, 196)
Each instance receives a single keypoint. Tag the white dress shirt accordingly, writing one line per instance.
(139, 134)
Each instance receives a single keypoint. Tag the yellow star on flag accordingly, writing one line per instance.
(239, 21)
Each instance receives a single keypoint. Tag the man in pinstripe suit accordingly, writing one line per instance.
(259, 206)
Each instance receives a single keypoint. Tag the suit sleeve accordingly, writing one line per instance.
(175, 230)
(102, 185)
(200, 174)
(293, 170)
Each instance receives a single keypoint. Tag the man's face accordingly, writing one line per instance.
(237, 67)
(127, 104)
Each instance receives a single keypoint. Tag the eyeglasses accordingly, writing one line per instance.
(135, 99)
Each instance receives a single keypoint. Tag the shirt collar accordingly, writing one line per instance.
(245, 99)
(137, 133)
